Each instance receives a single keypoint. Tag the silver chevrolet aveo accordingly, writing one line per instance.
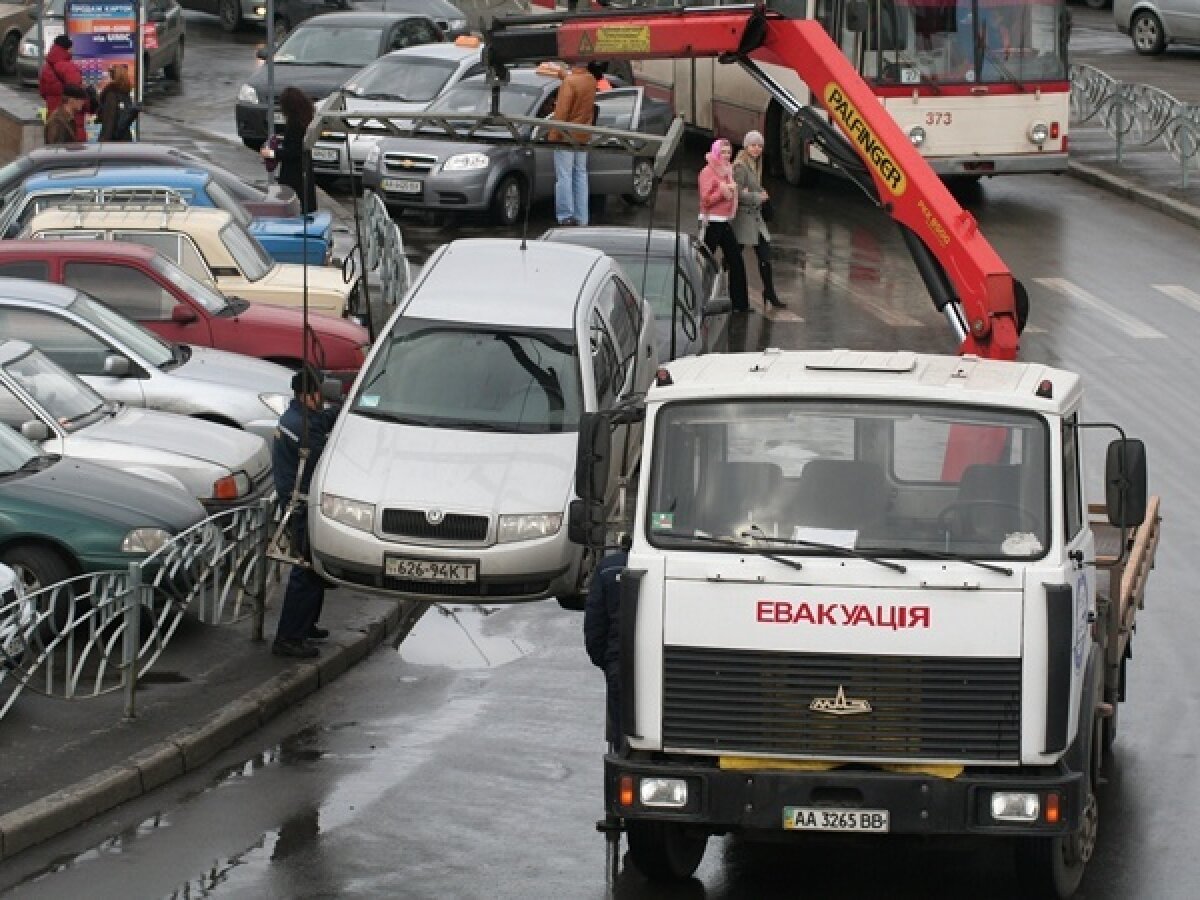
(1152, 24)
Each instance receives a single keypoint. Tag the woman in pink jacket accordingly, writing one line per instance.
(718, 204)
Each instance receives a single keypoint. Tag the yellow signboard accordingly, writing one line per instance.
(860, 133)
(616, 39)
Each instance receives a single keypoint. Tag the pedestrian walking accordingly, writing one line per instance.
(59, 72)
(60, 125)
(117, 110)
(718, 206)
(576, 104)
(749, 223)
(295, 163)
(602, 634)
(306, 423)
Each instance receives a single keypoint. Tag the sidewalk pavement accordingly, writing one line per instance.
(67, 761)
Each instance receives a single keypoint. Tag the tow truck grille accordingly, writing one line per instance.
(750, 701)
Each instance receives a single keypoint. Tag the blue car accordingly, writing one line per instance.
(284, 239)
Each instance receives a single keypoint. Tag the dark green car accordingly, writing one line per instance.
(60, 518)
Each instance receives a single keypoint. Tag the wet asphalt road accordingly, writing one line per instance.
(467, 763)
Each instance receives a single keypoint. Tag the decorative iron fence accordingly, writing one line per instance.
(1136, 115)
(95, 634)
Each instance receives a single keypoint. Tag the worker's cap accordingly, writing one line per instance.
(63, 41)
(307, 381)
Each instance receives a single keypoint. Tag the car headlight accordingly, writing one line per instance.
(276, 403)
(231, 486)
(528, 527)
(145, 540)
(1038, 133)
(29, 48)
(247, 94)
(353, 513)
(466, 162)
(372, 159)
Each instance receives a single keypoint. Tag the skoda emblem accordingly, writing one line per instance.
(434, 516)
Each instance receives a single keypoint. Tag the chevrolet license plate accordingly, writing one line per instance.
(430, 570)
(401, 186)
(325, 154)
(822, 818)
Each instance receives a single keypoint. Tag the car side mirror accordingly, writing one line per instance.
(35, 431)
(116, 365)
(1125, 482)
(183, 314)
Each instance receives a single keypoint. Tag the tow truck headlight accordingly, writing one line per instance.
(1016, 806)
(466, 162)
(669, 793)
(247, 94)
(916, 134)
(528, 527)
(353, 513)
(231, 486)
(145, 540)
(276, 403)
(1039, 132)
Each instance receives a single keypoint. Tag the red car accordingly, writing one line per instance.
(134, 280)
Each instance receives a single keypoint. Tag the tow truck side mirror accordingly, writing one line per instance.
(585, 517)
(856, 16)
(1125, 482)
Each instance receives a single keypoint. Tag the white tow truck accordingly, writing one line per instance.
(866, 594)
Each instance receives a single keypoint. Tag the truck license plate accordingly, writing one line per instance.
(818, 818)
(430, 570)
(325, 154)
(401, 186)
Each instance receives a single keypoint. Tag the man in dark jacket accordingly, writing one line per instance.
(602, 633)
(306, 423)
(59, 72)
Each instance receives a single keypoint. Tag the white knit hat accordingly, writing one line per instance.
(752, 137)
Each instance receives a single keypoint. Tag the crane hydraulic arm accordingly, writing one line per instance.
(968, 281)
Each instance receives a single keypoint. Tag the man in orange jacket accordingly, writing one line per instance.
(576, 104)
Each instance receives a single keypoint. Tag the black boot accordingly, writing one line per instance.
(764, 271)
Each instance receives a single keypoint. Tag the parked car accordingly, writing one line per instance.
(1152, 24)
(221, 467)
(409, 80)
(451, 469)
(125, 363)
(144, 286)
(271, 200)
(234, 14)
(209, 246)
(423, 171)
(449, 18)
(65, 517)
(16, 18)
(284, 239)
(320, 55)
(165, 15)
(695, 299)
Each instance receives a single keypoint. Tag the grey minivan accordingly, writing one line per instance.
(1152, 24)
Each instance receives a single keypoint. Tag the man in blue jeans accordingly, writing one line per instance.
(576, 103)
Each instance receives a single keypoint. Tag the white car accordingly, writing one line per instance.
(221, 467)
(126, 363)
(405, 80)
(452, 467)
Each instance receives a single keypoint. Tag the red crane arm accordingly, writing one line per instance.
(908, 189)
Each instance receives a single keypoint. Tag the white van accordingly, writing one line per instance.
(1152, 24)
(451, 469)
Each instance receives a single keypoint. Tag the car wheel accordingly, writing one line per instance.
(230, 13)
(37, 567)
(1147, 33)
(791, 151)
(509, 200)
(665, 851)
(174, 69)
(8, 54)
(643, 182)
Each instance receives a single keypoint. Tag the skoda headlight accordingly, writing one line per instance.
(29, 48)
(466, 162)
(372, 160)
(528, 527)
(247, 94)
(276, 403)
(145, 540)
(916, 134)
(1038, 133)
(354, 513)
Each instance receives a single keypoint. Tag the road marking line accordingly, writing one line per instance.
(1184, 295)
(1135, 328)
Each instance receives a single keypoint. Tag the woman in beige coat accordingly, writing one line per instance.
(748, 225)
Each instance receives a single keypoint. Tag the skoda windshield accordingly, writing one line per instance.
(473, 378)
(886, 480)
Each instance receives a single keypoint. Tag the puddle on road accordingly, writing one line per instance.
(454, 636)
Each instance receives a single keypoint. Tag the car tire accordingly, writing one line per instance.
(508, 201)
(665, 851)
(174, 69)
(8, 54)
(791, 152)
(1146, 31)
(230, 14)
(38, 568)
(643, 183)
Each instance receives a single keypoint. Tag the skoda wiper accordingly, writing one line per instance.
(758, 534)
(935, 554)
(732, 545)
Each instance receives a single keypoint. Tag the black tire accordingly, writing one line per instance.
(174, 69)
(665, 851)
(1146, 32)
(791, 152)
(643, 183)
(8, 54)
(37, 567)
(508, 202)
(230, 14)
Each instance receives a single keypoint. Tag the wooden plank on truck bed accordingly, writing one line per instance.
(1128, 576)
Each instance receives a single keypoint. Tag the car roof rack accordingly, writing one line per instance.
(125, 199)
